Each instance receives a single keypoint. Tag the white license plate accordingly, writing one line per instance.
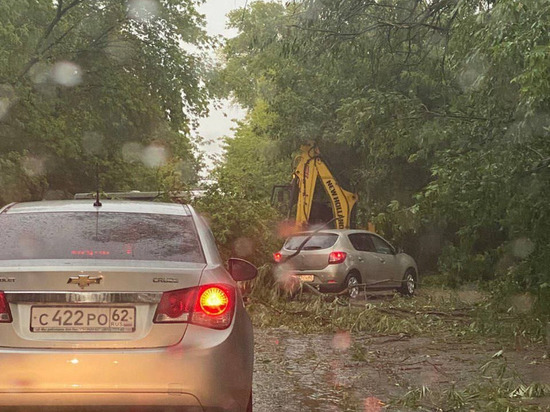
(120, 319)
(306, 278)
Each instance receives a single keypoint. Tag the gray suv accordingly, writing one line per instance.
(336, 260)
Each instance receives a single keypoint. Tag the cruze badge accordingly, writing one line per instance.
(84, 280)
(165, 280)
(7, 280)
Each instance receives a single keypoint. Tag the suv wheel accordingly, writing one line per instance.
(408, 286)
(351, 284)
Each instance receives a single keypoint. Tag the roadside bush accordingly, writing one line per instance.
(19, 180)
(242, 227)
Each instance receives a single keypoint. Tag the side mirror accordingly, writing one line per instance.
(400, 250)
(241, 270)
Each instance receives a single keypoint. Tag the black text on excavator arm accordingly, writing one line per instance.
(310, 166)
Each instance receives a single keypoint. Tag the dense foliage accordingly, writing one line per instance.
(436, 113)
(107, 82)
(236, 204)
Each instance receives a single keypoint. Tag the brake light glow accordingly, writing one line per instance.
(90, 252)
(336, 257)
(213, 301)
(5, 314)
(209, 305)
(277, 257)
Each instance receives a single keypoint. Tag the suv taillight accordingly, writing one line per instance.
(277, 257)
(209, 305)
(336, 257)
(5, 314)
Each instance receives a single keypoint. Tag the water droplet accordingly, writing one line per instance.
(67, 74)
(472, 73)
(341, 341)
(92, 142)
(243, 247)
(286, 228)
(187, 171)
(7, 97)
(523, 303)
(143, 10)
(33, 166)
(373, 404)
(522, 247)
(154, 155)
(285, 278)
(4, 107)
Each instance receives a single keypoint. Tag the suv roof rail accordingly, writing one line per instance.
(147, 196)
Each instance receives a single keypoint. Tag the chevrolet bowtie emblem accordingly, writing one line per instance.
(84, 280)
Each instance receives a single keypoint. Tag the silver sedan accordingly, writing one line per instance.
(336, 260)
(124, 304)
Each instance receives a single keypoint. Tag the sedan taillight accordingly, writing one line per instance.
(176, 306)
(277, 257)
(209, 305)
(336, 257)
(5, 314)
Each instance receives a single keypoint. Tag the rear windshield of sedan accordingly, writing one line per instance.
(92, 235)
(317, 241)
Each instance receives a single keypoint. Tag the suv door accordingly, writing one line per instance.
(385, 254)
(371, 266)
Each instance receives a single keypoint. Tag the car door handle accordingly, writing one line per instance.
(381, 260)
(360, 259)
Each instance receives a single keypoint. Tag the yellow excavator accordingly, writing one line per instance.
(309, 168)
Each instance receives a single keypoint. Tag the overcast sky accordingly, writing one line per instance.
(215, 11)
(217, 124)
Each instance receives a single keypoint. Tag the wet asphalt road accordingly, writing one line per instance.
(341, 372)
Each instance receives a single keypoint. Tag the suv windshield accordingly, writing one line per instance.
(71, 235)
(318, 241)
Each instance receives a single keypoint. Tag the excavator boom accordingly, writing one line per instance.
(310, 167)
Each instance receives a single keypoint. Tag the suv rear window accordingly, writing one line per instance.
(108, 235)
(317, 241)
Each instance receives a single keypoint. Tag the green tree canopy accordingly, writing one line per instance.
(103, 81)
(436, 113)
(237, 204)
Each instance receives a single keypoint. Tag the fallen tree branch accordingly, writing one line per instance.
(251, 299)
(392, 311)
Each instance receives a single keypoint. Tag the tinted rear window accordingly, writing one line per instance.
(108, 235)
(318, 241)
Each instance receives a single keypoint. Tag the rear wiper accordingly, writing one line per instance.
(307, 239)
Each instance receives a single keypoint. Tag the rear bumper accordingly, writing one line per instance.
(97, 401)
(329, 279)
(209, 369)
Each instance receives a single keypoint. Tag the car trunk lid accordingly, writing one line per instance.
(314, 250)
(72, 304)
(308, 260)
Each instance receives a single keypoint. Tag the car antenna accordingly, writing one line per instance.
(97, 202)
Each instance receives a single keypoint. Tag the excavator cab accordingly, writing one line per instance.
(284, 198)
(281, 198)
